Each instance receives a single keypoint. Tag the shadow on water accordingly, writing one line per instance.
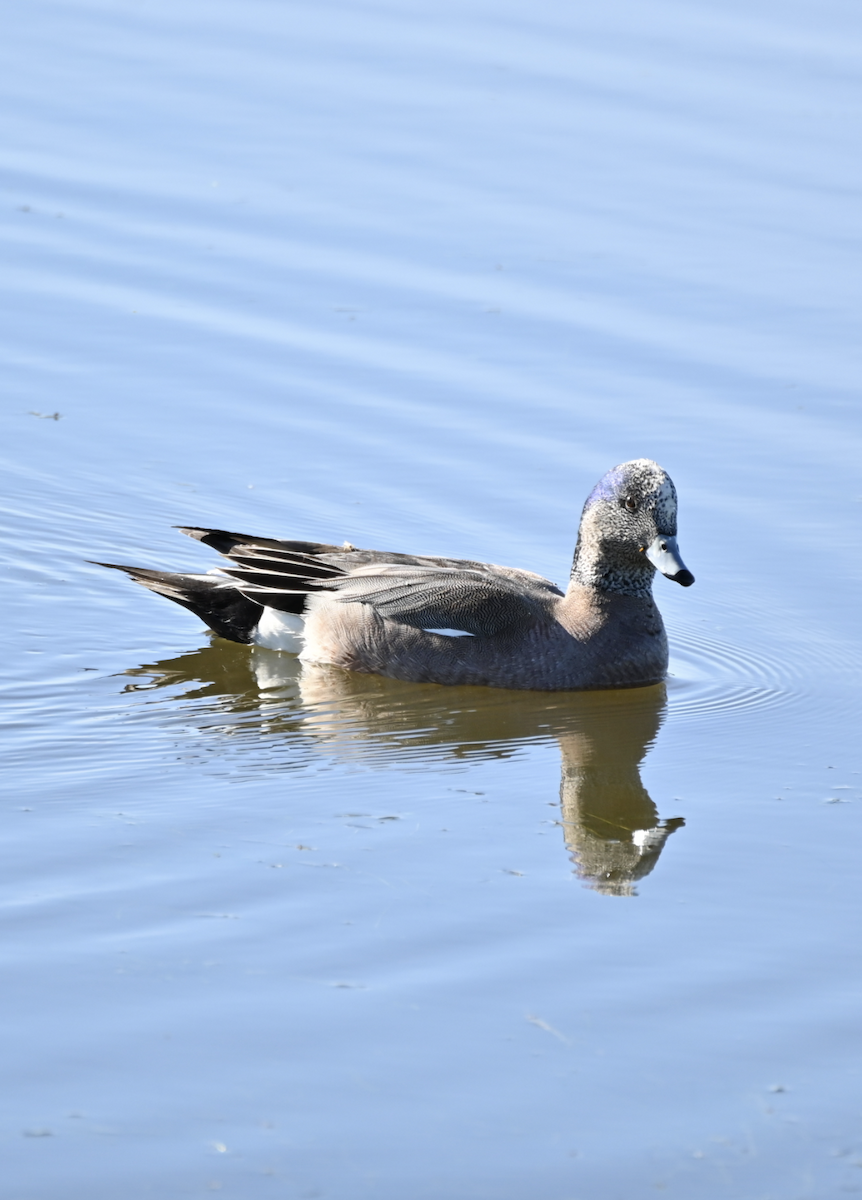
(260, 699)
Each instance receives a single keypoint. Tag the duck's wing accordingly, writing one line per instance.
(479, 602)
(425, 592)
(278, 574)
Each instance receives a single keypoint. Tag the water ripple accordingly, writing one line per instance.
(709, 675)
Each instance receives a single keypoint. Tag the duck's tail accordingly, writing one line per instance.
(214, 598)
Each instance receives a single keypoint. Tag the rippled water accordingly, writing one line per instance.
(415, 277)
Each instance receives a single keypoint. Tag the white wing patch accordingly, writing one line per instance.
(450, 632)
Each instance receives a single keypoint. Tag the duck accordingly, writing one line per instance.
(448, 621)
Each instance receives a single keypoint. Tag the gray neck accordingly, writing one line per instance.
(598, 568)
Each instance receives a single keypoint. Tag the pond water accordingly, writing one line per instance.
(415, 275)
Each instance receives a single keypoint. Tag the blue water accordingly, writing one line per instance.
(415, 276)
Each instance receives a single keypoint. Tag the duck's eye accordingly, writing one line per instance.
(631, 504)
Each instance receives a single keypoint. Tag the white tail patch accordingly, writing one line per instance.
(280, 631)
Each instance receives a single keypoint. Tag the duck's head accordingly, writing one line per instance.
(628, 531)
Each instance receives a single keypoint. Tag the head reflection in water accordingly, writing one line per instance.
(610, 825)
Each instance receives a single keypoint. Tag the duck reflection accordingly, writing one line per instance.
(610, 825)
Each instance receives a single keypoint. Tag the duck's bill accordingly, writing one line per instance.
(663, 553)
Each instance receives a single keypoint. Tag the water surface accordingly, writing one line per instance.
(415, 277)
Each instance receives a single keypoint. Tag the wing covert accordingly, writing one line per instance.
(438, 598)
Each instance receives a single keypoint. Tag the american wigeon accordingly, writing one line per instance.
(453, 621)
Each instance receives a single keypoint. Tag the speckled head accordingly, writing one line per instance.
(628, 531)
